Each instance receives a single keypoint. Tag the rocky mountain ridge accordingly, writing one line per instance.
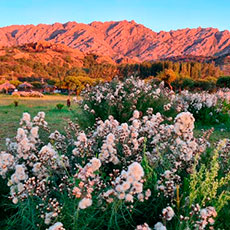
(122, 40)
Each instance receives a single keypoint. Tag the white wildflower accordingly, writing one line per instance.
(85, 203)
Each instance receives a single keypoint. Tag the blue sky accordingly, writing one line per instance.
(155, 14)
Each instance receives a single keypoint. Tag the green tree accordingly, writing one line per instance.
(77, 83)
(37, 84)
(16, 83)
(71, 83)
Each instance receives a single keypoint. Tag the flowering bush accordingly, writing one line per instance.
(119, 99)
(135, 168)
(121, 170)
(207, 108)
(27, 94)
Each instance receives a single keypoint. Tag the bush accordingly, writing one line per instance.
(15, 82)
(204, 85)
(16, 103)
(37, 85)
(207, 108)
(59, 106)
(27, 94)
(223, 82)
(182, 83)
(119, 99)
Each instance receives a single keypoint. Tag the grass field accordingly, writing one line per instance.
(10, 115)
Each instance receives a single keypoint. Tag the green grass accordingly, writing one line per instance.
(220, 132)
(11, 115)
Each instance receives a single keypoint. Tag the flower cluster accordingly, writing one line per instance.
(16, 182)
(122, 143)
(128, 184)
(59, 141)
(39, 120)
(202, 99)
(28, 164)
(87, 180)
(143, 227)
(168, 213)
(6, 162)
(57, 226)
(27, 94)
(119, 98)
(201, 103)
(203, 218)
(167, 183)
(159, 226)
(206, 217)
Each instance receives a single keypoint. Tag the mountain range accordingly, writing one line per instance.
(122, 41)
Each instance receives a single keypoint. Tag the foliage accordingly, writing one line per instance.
(183, 83)
(205, 186)
(204, 84)
(76, 83)
(16, 83)
(194, 70)
(37, 85)
(223, 81)
(96, 67)
(59, 106)
(168, 76)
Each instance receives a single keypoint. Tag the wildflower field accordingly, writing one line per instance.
(128, 155)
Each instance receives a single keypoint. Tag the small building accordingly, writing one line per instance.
(7, 87)
(49, 88)
(25, 86)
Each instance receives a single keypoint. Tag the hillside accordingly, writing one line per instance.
(45, 59)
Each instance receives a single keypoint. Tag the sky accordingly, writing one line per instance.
(155, 14)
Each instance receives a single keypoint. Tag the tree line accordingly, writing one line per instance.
(176, 74)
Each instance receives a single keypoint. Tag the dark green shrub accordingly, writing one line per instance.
(204, 85)
(37, 85)
(223, 81)
(59, 106)
(183, 83)
(16, 103)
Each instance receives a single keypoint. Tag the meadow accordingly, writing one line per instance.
(134, 147)
(11, 115)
